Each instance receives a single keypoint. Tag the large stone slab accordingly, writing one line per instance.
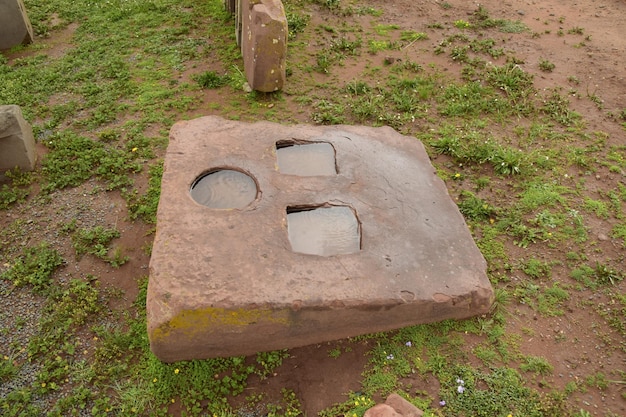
(228, 281)
(15, 28)
(264, 43)
(17, 144)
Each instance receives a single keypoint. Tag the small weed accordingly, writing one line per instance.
(323, 61)
(557, 107)
(385, 29)
(549, 303)
(365, 10)
(537, 365)
(508, 161)
(211, 80)
(597, 380)
(11, 195)
(95, 242)
(462, 24)
(358, 87)
(328, 113)
(412, 36)
(145, 206)
(356, 404)
(34, 267)
(596, 206)
(375, 46)
(296, 22)
(475, 208)
(546, 66)
(268, 361)
(535, 268)
(334, 353)
(619, 232)
(8, 368)
(576, 31)
(345, 45)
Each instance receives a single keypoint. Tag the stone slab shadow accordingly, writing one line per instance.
(233, 281)
(17, 143)
(15, 27)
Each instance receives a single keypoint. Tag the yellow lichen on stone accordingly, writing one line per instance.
(192, 322)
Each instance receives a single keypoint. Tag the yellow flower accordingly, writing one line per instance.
(43, 385)
(173, 401)
(154, 380)
(6, 358)
(134, 149)
(176, 371)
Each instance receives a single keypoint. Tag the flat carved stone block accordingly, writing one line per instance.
(15, 28)
(264, 43)
(229, 279)
(17, 144)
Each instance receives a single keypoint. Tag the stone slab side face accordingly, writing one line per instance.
(17, 144)
(264, 43)
(15, 28)
(226, 282)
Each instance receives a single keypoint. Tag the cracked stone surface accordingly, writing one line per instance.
(226, 282)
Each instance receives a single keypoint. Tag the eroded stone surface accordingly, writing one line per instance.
(264, 43)
(226, 282)
(15, 28)
(17, 144)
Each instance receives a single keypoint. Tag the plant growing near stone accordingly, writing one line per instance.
(34, 267)
(211, 80)
(95, 241)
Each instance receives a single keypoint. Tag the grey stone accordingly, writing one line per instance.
(17, 144)
(226, 282)
(264, 43)
(15, 28)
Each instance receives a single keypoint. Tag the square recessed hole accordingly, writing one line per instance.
(306, 158)
(323, 230)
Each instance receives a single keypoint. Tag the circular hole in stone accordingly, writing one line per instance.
(224, 189)
(323, 231)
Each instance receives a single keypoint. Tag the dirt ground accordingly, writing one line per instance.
(320, 380)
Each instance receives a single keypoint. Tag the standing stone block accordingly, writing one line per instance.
(15, 28)
(17, 144)
(264, 43)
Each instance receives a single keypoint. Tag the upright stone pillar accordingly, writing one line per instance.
(15, 28)
(264, 43)
(17, 144)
